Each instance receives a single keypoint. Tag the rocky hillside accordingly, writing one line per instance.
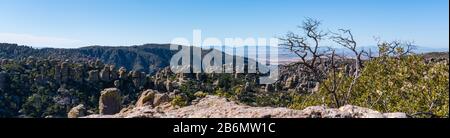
(217, 107)
(43, 87)
(73, 82)
(146, 58)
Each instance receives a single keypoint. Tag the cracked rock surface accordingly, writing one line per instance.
(217, 107)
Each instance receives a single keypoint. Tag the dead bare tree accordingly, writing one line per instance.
(335, 84)
(322, 62)
(314, 58)
(308, 47)
(345, 38)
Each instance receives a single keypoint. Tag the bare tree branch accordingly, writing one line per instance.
(307, 47)
(345, 38)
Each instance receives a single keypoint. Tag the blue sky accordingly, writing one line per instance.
(75, 23)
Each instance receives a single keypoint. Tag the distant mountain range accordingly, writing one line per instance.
(148, 57)
(286, 56)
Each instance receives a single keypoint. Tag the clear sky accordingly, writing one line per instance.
(75, 23)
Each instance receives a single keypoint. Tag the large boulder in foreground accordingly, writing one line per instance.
(217, 107)
(110, 101)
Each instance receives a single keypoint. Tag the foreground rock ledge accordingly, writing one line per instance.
(217, 107)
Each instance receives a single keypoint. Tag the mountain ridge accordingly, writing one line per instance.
(147, 58)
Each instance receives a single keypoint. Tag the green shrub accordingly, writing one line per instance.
(200, 94)
(406, 85)
(390, 84)
(220, 92)
(179, 101)
(189, 88)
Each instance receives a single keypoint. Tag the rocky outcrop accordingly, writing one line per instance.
(80, 72)
(138, 78)
(217, 107)
(160, 98)
(65, 71)
(122, 73)
(113, 73)
(152, 98)
(146, 98)
(104, 74)
(77, 111)
(110, 101)
(347, 111)
(93, 75)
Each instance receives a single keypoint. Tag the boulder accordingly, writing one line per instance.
(113, 74)
(160, 98)
(110, 101)
(65, 72)
(105, 74)
(77, 111)
(122, 73)
(146, 98)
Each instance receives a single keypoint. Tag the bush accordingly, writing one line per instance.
(179, 101)
(390, 84)
(189, 88)
(200, 94)
(406, 85)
